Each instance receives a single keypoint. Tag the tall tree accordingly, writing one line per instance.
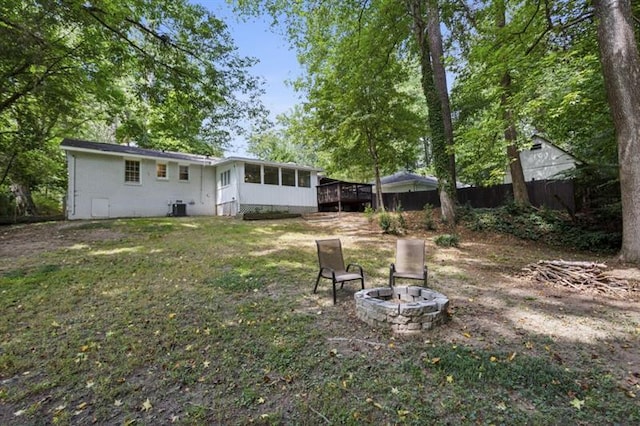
(364, 117)
(290, 139)
(520, 194)
(430, 52)
(621, 69)
(356, 67)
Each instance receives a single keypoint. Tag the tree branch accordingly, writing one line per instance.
(122, 36)
(6, 170)
(163, 38)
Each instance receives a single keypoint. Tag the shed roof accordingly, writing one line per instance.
(405, 176)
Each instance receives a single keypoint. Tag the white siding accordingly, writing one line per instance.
(278, 196)
(543, 163)
(98, 181)
(228, 196)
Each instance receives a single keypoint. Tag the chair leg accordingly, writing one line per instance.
(317, 281)
(362, 282)
(334, 292)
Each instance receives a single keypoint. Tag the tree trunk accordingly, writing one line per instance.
(379, 199)
(520, 194)
(440, 81)
(621, 71)
(24, 201)
(376, 170)
(446, 184)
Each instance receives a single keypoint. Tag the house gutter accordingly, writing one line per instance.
(132, 155)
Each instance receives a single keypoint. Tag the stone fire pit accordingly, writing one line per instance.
(403, 309)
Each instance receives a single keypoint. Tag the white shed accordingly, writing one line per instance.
(543, 161)
(109, 180)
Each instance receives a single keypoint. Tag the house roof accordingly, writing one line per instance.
(267, 163)
(404, 177)
(134, 151)
(115, 149)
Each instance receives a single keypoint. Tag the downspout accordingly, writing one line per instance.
(237, 201)
(202, 182)
(73, 192)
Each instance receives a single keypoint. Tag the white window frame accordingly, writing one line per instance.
(259, 171)
(126, 172)
(166, 170)
(298, 179)
(225, 178)
(180, 178)
(284, 170)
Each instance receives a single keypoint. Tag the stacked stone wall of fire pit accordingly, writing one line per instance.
(403, 309)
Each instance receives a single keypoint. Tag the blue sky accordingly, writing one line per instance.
(277, 65)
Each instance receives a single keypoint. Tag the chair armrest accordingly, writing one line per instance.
(329, 270)
(355, 265)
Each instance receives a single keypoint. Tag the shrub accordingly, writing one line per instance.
(447, 240)
(369, 212)
(47, 205)
(429, 223)
(549, 226)
(392, 223)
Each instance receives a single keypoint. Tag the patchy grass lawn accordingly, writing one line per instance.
(212, 321)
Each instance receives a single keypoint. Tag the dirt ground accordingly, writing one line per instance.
(493, 305)
(496, 307)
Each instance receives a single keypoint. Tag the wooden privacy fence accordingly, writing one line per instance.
(552, 194)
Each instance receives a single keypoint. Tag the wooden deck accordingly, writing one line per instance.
(343, 196)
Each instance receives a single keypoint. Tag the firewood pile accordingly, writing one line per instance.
(584, 276)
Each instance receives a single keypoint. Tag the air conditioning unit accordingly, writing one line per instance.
(178, 209)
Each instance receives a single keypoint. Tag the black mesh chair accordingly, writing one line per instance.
(332, 266)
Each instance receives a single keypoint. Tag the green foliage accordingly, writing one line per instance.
(392, 223)
(427, 217)
(48, 205)
(447, 240)
(363, 114)
(585, 233)
(556, 87)
(369, 213)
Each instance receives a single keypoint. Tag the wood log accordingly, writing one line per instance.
(578, 275)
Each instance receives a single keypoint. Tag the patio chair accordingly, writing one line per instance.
(332, 266)
(409, 262)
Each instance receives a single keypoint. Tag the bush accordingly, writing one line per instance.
(429, 223)
(392, 223)
(549, 226)
(447, 240)
(369, 212)
(46, 205)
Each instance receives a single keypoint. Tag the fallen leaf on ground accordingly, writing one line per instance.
(577, 403)
(146, 406)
